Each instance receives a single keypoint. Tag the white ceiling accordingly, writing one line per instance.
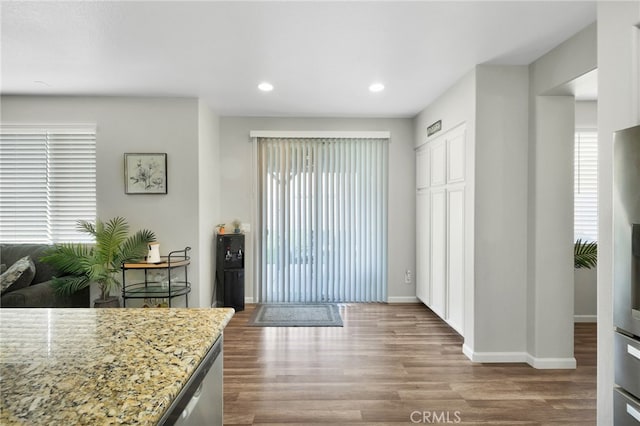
(321, 56)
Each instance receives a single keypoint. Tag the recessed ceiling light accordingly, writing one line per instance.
(376, 87)
(265, 87)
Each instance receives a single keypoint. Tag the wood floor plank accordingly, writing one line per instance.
(387, 364)
(286, 415)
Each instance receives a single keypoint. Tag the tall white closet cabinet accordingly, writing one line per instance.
(440, 222)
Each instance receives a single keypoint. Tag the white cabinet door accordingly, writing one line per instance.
(422, 246)
(437, 162)
(438, 251)
(422, 167)
(455, 157)
(440, 232)
(455, 257)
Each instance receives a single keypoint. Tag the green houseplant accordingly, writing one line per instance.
(585, 254)
(83, 264)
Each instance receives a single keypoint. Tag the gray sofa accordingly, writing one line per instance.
(40, 293)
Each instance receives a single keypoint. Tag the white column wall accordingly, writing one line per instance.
(502, 127)
(552, 302)
(550, 224)
(493, 102)
(208, 198)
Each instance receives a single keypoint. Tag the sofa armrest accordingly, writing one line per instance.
(43, 295)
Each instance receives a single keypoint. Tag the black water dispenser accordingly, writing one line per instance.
(230, 255)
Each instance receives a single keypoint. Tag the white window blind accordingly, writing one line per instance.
(47, 183)
(586, 185)
(323, 219)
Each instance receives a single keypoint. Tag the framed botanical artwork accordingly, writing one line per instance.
(145, 173)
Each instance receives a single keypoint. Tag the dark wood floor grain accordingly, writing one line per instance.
(393, 365)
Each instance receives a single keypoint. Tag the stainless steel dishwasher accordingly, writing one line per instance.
(201, 399)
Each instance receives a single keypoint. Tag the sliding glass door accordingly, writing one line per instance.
(323, 219)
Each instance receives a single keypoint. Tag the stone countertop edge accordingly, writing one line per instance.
(100, 366)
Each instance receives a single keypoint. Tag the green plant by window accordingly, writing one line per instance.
(585, 254)
(83, 264)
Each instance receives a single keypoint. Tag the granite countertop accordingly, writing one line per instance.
(99, 366)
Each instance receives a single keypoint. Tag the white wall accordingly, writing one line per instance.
(492, 101)
(128, 124)
(585, 280)
(585, 295)
(550, 293)
(456, 105)
(208, 198)
(551, 306)
(618, 108)
(237, 199)
(572, 58)
(586, 115)
(501, 209)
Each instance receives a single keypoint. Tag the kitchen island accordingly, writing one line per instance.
(101, 366)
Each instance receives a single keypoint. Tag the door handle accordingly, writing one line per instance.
(634, 352)
(633, 412)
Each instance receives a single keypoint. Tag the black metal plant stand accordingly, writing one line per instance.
(158, 289)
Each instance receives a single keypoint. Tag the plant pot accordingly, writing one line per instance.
(109, 302)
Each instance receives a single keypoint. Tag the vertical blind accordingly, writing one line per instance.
(586, 185)
(323, 219)
(47, 183)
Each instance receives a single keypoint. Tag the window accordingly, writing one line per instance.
(323, 219)
(47, 183)
(586, 185)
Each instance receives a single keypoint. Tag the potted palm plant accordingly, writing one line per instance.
(585, 254)
(83, 264)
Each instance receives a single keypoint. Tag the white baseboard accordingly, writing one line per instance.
(494, 357)
(505, 357)
(248, 300)
(551, 363)
(585, 318)
(403, 299)
(466, 350)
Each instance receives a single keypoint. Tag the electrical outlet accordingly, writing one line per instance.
(407, 276)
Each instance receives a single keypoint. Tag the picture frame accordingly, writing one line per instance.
(145, 173)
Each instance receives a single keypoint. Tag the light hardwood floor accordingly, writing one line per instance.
(396, 365)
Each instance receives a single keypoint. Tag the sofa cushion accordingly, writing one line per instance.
(10, 253)
(18, 275)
